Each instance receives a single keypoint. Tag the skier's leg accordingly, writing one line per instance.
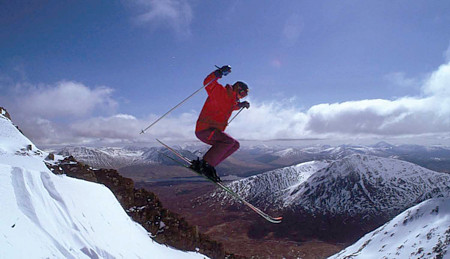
(232, 148)
(223, 145)
(204, 135)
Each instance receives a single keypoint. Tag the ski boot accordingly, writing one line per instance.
(210, 172)
(196, 165)
(202, 167)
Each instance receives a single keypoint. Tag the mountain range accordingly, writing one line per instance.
(336, 200)
(116, 157)
(258, 158)
(366, 195)
(362, 184)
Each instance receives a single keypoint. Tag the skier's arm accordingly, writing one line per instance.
(211, 80)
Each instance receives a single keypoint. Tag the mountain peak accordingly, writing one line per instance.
(383, 144)
(5, 113)
(357, 184)
(369, 184)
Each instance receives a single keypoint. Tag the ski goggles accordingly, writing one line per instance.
(242, 92)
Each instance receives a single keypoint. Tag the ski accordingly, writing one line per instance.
(220, 185)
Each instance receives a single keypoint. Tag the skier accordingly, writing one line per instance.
(213, 119)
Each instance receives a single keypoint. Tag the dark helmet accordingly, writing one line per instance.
(241, 88)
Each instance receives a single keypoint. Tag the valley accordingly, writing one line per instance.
(278, 180)
(234, 226)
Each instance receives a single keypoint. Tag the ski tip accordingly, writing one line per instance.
(142, 132)
(276, 220)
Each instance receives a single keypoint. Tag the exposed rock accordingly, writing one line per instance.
(5, 113)
(50, 157)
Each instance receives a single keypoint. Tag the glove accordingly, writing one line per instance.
(223, 71)
(244, 104)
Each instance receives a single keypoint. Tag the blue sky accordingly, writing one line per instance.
(99, 71)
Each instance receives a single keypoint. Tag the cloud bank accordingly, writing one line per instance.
(70, 112)
(426, 114)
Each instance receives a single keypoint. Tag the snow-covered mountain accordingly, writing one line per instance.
(273, 186)
(110, 157)
(54, 216)
(422, 231)
(436, 158)
(115, 157)
(356, 184)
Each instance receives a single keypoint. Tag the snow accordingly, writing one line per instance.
(273, 185)
(422, 231)
(357, 184)
(107, 157)
(367, 184)
(54, 216)
(115, 157)
(11, 140)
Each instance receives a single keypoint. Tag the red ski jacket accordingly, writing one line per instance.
(219, 105)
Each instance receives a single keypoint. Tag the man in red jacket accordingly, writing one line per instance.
(213, 119)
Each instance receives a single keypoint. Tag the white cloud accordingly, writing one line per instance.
(400, 79)
(39, 111)
(428, 113)
(438, 83)
(174, 14)
(66, 98)
(126, 127)
(407, 116)
(269, 121)
(43, 111)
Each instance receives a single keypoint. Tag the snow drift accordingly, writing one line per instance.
(45, 215)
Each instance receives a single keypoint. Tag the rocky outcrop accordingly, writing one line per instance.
(144, 207)
(5, 113)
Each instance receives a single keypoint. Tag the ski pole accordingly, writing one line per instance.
(235, 116)
(176, 106)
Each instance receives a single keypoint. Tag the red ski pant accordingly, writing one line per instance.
(223, 145)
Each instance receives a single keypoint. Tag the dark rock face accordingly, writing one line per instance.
(144, 207)
(5, 113)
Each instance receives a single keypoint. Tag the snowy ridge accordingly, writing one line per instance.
(354, 185)
(381, 149)
(368, 184)
(108, 157)
(119, 157)
(54, 216)
(422, 231)
(116, 157)
(272, 186)
(288, 152)
(13, 141)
